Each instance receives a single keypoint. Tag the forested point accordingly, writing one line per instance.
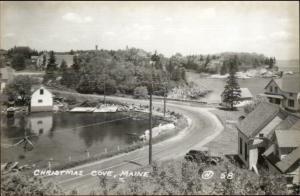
(129, 70)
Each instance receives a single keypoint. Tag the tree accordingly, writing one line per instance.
(232, 92)
(63, 65)
(271, 63)
(51, 65)
(223, 69)
(20, 88)
(18, 61)
(44, 64)
(22, 183)
(140, 92)
(70, 78)
(75, 65)
(207, 60)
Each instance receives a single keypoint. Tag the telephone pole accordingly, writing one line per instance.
(104, 85)
(154, 59)
(165, 100)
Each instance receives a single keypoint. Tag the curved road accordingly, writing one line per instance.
(203, 127)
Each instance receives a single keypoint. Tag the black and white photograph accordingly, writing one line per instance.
(149, 98)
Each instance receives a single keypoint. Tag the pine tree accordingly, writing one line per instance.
(51, 65)
(75, 65)
(44, 61)
(232, 92)
(63, 65)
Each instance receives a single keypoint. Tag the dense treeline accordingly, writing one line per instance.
(218, 63)
(20, 57)
(122, 71)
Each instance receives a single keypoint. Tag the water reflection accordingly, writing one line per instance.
(67, 136)
(40, 123)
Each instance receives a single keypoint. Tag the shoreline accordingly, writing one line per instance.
(178, 120)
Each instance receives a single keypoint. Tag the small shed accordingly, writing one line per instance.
(246, 94)
(41, 100)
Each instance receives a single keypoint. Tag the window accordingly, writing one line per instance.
(41, 131)
(41, 91)
(291, 94)
(241, 145)
(40, 122)
(291, 103)
(246, 152)
(271, 89)
(40, 101)
(277, 101)
(276, 89)
(271, 100)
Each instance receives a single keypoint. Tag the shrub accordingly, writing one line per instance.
(140, 92)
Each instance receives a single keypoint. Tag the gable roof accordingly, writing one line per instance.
(296, 126)
(289, 160)
(34, 88)
(245, 93)
(290, 138)
(258, 118)
(290, 122)
(287, 83)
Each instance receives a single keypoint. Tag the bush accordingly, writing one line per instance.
(184, 178)
(140, 92)
(17, 183)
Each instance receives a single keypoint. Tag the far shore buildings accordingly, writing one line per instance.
(41, 100)
(285, 92)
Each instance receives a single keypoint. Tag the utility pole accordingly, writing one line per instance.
(165, 99)
(104, 85)
(153, 60)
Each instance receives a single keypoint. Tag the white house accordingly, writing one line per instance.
(285, 92)
(41, 100)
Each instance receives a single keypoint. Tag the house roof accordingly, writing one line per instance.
(270, 154)
(245, 93)
(288, 138)
(288, 83)
(296, 126)
(290, 122)
(258, 118)
(289, 160)
(36, 87)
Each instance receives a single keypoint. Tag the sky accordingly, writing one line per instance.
(270, 28)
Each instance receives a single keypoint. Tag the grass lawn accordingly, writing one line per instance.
(227, 141)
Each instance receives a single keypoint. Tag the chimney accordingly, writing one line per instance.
(96, 47)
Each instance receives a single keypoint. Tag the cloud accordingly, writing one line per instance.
(76, 18)
(280, 35)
